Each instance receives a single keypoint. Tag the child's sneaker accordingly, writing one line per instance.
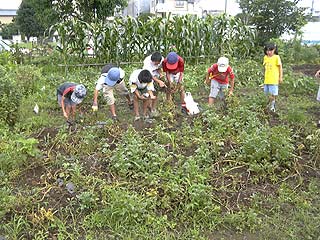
(273, 109)
(154, 113)
(69, 123)
(184, 108)
(147, 119)
(130, 105)
(136, 118)
(115, 119)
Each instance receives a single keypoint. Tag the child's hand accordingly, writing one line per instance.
(161, 83)
(280, 80)
(65, 115)
(152, 97)
(230, 93)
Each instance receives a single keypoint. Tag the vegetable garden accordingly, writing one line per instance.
(234, 171)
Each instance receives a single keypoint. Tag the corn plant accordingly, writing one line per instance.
(130, 39)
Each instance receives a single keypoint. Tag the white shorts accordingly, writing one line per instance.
(108, 92)
(217, 88)
(174, 77)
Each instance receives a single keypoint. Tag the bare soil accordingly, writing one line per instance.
(306, 69)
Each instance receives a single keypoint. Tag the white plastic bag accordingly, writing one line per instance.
(191, 105)
(36, 109)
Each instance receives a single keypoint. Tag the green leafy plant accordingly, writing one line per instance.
(10, 100)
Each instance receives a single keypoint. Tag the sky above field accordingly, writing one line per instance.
(9, 4)
(232, 6)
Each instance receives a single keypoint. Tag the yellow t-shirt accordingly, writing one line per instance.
(272, 69)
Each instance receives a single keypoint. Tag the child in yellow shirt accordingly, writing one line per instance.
(273, 73)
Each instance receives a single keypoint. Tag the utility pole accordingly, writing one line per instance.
(312, 4)
(225, 6)
(136, 8)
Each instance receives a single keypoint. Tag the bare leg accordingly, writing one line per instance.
(73, 112)
(169, 95)
(68, 108)
(113, 110)
(211, 100)
(182, 96)
(128, 98)
(146, 104)
(272, 102)
(154, 104)
(136, 105)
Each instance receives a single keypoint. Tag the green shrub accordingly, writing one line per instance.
(15, 150)
(267, 149)
(297, 84)
(10, 100)
(248, 73)
(26, 78)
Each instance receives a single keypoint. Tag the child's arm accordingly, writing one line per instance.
(180, 77)
(63, 107)
(150, 90)
(137, 93)
(231, 86)
(160, 72)
(161, 83)
(168, 79)
(95, 100)
(152, 96)
(280, 73)
(207, 80)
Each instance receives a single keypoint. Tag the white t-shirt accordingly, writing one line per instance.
(149, 65)
(101, 82)
(135, 83)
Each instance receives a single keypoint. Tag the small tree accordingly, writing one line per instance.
(88, 10)
(273, 18)
(7, 30)
(27, 21)
(35, 16)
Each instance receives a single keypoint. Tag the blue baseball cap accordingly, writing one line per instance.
(113, 76)
(172, 60)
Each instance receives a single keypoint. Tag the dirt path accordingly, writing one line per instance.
(307, 69)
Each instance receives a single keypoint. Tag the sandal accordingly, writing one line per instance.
(130, 105)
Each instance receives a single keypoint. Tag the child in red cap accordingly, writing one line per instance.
(173, 66)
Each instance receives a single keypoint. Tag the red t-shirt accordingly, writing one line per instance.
(180, 67)
(221, 77)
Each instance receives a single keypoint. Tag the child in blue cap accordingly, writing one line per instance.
(112, 77)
